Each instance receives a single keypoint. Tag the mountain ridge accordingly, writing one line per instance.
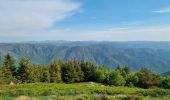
(155, 55)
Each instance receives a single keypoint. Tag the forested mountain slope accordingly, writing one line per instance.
(155, 55)
(166, 73)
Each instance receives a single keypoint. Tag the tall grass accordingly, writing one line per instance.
(81, 90)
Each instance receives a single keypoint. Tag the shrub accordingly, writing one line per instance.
(132, 80)
(115, 78)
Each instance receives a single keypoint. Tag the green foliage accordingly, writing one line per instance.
(9, 69)
(82, 90)
(34, 73)
(78, 71)
(45, 75)
(101, 74)
(75, 72)
(71, 72)
(156, 80)
(24, 70)
(148, 79)
(123, 70)
(115, 78)
(165, 82)
(55, 72)
(132, 80)
(88, 71)
(2, 78)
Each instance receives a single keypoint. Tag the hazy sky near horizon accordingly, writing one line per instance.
(83, 20)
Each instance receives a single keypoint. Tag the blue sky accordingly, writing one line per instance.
(83, 20)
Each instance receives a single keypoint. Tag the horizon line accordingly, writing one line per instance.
(50, 41)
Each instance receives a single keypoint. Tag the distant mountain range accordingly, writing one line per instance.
(155, 55)
(166, 73)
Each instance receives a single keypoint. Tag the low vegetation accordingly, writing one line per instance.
(81, 91)
(78, 71)
(79, 79)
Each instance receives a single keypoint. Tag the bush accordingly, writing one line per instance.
(100, 74)
(115, 78)
(166, 83)
(132, 80)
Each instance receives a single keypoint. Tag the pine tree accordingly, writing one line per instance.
(9, 70)
(71, 72)
(118, 67)
(123, 70)
(127, 70)
(145, 78)
(67, 72)
(34, 73)
(78, 72)
(55, 72)
(88, 71)
(45, 75)
(24, 70)
(1, 76)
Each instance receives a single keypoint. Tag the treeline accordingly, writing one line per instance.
(77, 71)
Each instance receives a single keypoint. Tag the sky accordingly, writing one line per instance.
(84, 20)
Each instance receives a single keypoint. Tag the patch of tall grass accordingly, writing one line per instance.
(81, 91)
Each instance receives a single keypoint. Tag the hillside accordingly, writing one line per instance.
(155, 55)
(166, 73)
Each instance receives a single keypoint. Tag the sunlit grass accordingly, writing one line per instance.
(85, 91)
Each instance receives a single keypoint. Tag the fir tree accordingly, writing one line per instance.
(55, 72)
(9, 70)
(24, 70)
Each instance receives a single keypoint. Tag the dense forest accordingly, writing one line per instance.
(77, 71)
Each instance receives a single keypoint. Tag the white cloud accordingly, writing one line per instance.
(25, 20)
(162, 10)
(27, 16)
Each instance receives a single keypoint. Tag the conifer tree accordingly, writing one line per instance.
(78, 72)
(34, 73)
(71, 72)
(9, 70)
(55, 72)
(145, 78)
(88, 71)
(68, 72)
(45, 75)
(24, 70)
(1, 75)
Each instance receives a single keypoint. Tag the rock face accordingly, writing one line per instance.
(155, 55)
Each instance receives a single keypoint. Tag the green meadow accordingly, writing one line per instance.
(79, 91)
(78, 80)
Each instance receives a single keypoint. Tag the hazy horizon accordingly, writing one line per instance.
(70, 41)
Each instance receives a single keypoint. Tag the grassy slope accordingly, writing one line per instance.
(79, 90)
